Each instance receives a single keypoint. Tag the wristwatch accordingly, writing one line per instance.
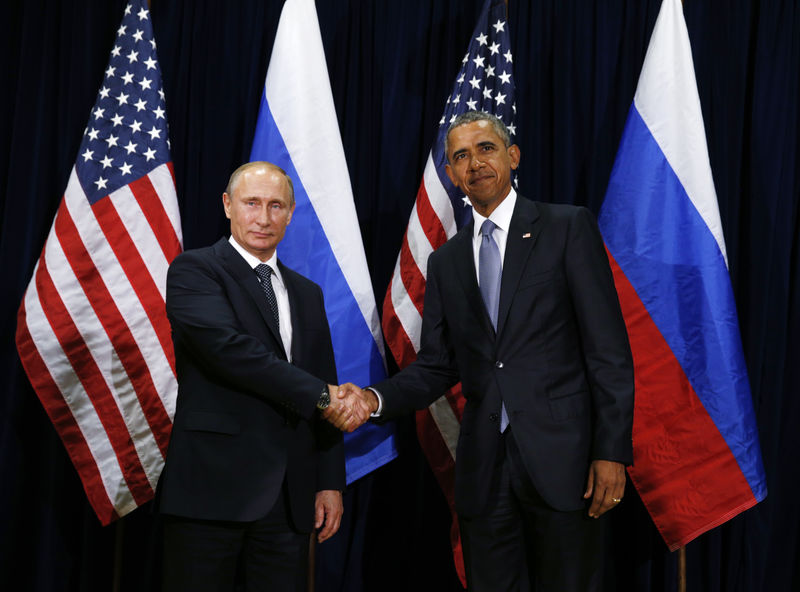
(324, 398)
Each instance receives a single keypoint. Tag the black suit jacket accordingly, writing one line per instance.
(560, 358)
(245, 417)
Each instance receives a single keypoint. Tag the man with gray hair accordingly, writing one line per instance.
(252, 465)
(520, 306)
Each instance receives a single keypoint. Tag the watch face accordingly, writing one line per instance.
(324, 399)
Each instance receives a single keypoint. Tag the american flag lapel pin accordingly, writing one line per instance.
(526, 235)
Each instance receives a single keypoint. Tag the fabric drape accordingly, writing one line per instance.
(576, 66)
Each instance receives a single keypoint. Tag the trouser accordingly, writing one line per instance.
(520, 543)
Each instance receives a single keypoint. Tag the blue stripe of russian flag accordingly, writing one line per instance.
(305, 249)
(297, 130)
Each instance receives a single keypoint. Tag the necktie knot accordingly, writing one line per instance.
(263, 271)
(487, 228)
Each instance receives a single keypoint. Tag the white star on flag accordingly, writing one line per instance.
(105, 371)
(439, 211)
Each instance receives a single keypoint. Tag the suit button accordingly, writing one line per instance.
(498, 364)
(493, 417)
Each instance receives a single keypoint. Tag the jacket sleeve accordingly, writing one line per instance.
(204, 323)
(329, 440)
(434, 371)
(604, 339)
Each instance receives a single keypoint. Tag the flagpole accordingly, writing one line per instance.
(682, 549)
(117, 570)
(312, 544)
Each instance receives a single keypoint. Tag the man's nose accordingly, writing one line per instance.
(475, 162)
(262, 217)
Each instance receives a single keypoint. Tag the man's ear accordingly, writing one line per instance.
(450, 174)
(514, 155)
(226, 204)
(291, 211)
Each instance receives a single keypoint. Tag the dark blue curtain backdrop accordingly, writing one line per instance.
(391, 64)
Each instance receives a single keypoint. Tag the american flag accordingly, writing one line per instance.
(484, 82)
(92, 331)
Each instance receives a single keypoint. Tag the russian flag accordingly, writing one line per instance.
(297, 129)
(697, 459)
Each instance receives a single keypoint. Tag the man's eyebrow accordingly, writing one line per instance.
(480, 145)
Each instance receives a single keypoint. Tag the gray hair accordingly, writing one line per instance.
(254, 165)
(471, 117)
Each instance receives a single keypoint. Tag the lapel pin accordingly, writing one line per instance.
(526, 235)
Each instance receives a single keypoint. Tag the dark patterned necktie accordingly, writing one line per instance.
(264, 273)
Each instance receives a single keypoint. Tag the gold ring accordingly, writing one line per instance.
(616, 500)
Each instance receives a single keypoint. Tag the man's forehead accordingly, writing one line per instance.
(479, 131)
(260, 182)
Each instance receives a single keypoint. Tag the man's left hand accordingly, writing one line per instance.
(328, 510)
(605, 485)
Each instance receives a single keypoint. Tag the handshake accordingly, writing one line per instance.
(350, 406)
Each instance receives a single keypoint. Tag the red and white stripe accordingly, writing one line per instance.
(94, 339)
(430, 225)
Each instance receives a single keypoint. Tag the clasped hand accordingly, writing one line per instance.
(350, 406)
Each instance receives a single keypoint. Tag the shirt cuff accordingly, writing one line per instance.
(379, 410)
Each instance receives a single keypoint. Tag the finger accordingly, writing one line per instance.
(335, 524)
(344, 423)
(589, 484)
(338, 416)
(606, 504)
(332, 415)
(331, 525)
(319, 516)
(594, 509)
(610, 499)
(334, 521)
(353, 424)
(346, 390)
(360, 413)
(324, 534)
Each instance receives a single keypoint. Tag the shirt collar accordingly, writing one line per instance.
(253, 261)
(501, 215)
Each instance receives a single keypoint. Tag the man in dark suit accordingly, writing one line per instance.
(252, 467)
(520, 306)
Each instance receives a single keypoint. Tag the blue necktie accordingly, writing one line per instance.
(264, 273)
(491, 270)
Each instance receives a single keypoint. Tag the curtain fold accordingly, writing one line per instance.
(391, 64)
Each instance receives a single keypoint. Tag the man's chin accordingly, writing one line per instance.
(480, 200)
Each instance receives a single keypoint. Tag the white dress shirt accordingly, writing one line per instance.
(501, 216)
(281, 294)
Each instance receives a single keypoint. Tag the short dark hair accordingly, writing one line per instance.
(472, 116)
(259, 164)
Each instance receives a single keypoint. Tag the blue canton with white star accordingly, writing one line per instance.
(127, 135)
(485, 82)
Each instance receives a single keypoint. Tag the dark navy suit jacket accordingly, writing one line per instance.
(246, 418)
(560, 358)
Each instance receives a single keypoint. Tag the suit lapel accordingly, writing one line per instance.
(465, 270)
(522, 234)
(248, 280)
